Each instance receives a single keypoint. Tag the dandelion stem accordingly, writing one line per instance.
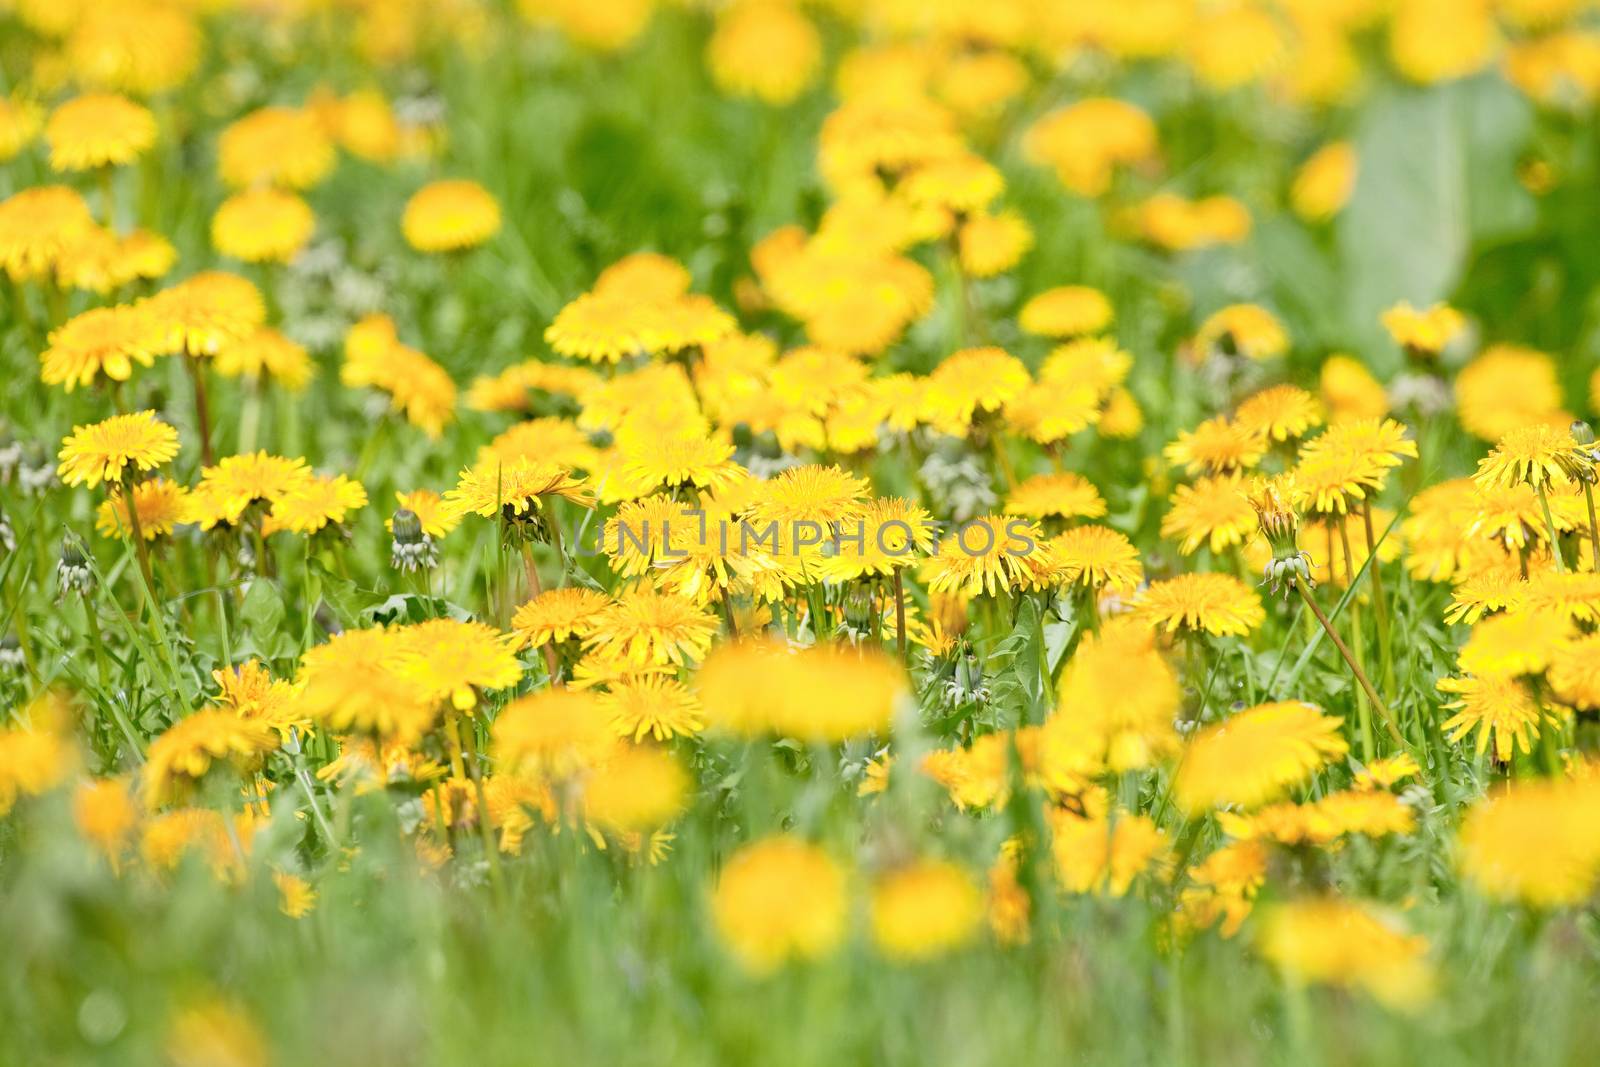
(1594, 528)
(727, 610)
(202, 409)
(468, 731)
(900, 613)
(140, 548)
(1360, 675)
(1550, 526)
(1380, 600)
(1357, 638)
(534, 590)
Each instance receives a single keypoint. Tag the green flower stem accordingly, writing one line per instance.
(1550, 526)
(1380, 599)
(468, 733)
(1360, 675)
(900, 613)
(1594, 527)
(1358, 639)
(534, 590)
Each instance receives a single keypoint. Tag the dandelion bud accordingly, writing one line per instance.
(1279, 524)
(1271, 499)
(73, 573)
(858, 608)
(411, 548)
(1582, 433)
(967, 685)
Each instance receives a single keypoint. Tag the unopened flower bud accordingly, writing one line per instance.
(858, 608)
(411, 548)
(73, 573)
(1582, 433)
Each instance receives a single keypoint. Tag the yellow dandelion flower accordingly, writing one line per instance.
(1349, 391)
(136, 47)
(1516, 643)
(161, 505)
(1534, 842)
(1507, 388)
(1056, 495)
(964, 184)
(98, 342)
(558, 615)
(38, 227)
(515, 488)
(553, 734)
(353, 683)
(992, 244)
(188, 749)
(639, 788)
(1118, 699)
(1218, 445)
(1349, 944)
(1539, 455)
(429, 507)
(283, 146)
(212, 1032)
(1281, 413)
(1575, 673)
(1248, 330)
(109, 450)
(296, 897)
(1425, 332)
(1178, 225)
(1085, 142)
(653, 706)
(779, 899)
(262, 225)
(1097, 557)
(448, 216)
(1324, 183)
(824, 694)
(969, 382)
(266, 354)
(767, 49)
(1217, 604)
(1502, 710)
(19, 124)
(105, 816)
(924, 909)
(1256, 755)
(205, 313)
(447, 659)
(227, 490)
(1066, 311)
(990, 553)
(1214, 512)
(648, 628)
(314, 504)
(98, 130)
(251, 693)
(889, 534)
(1097, 854)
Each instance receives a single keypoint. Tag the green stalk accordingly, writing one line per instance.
(1550, 525)
(1380, 600)
(1594, 527)
(1357, 638)
(1360, 675)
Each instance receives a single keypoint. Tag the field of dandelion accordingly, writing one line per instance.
(799, 532)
